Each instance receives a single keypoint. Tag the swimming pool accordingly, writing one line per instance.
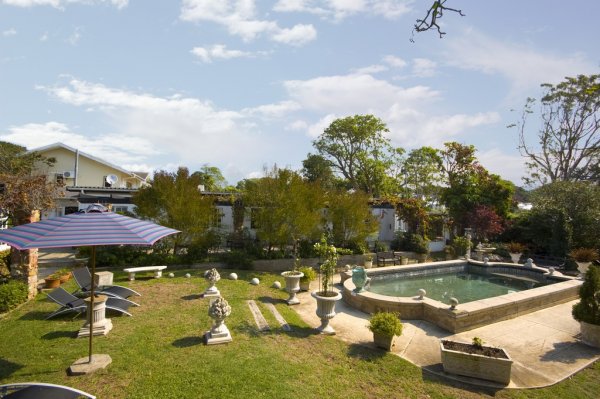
(546, 290)
(464, 286)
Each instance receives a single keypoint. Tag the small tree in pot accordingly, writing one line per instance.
(326, 297)
(587, 310)
(385, 326)
(309, 275)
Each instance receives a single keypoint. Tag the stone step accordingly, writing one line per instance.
(260, 320)
(278, 316)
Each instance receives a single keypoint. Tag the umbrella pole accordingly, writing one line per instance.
(91, 310)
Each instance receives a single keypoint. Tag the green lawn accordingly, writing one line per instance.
(159, 352)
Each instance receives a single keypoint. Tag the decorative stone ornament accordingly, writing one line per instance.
(453, 303)
(255, 281)
(212, 276)
(277, 285)
(100, 324)
(187, 275)
(422, 293)
(292, 285)
(171, 275)
(233, 276)
(359, 278)
(218, 310)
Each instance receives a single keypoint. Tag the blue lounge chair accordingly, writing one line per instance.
(83, 278)
(70, 303)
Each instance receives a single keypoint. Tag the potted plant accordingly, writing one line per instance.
(587, 310)
(583, 257)
(368, 261)
(64, 275)
(52, 281)
(292, 283)
(385, 326)
(449, 252)
(476, 360)
(419, 245)
(515, 249)
(326, 297)
(309, 275)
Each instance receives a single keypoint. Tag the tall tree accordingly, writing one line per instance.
(569, 136)
(421, 172)
(357, 149)
(211, 178)
(350, 217)
(317, 169)
(285, 207)
(173, 200)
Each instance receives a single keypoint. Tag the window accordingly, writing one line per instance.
(106, 184)
(122, 209)
(217, 218)
(60, 178)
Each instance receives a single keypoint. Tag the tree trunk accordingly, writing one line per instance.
(24, 264)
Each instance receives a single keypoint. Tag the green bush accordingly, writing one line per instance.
(385, 323)
(237, 259)
(309, 273)
(306, 249)
(588, 308)
(12, 294)
(5, 262)
(460, 244)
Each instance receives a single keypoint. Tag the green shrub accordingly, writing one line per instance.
(5, 262)
(385, 323)
(237, 260)
(588, 308)
(12, 294)
(309, 273)
(306, 249)
(461, 244)
(380, 247)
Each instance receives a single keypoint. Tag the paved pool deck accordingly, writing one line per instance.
(544, 345)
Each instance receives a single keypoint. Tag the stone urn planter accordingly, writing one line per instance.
(218, 310)
(515, 256)
(212, 276)
(483, 362)
(292, 285)
(326, 310)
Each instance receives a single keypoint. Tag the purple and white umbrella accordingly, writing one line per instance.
(92, 227)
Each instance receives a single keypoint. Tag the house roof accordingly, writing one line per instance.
(99, 160)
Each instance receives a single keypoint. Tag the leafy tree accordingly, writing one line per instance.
(421, 173)
(211, 178)
(24, 187)
(285, 208)
(485, 221)
(317, 169)
(569, 137)
(173, 200)
(413, 211)
(350, 218)
(356, 148)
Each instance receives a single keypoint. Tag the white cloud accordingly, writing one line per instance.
(346, 94)
(273, 110)
(75, 36)
(297, 125)
(9, 32)
(371, 69)
(61, 3)
(341, 9)
(423, 67)
(394, 61)
(523, 66)
(296, 36)
(121, 149)
(319, 127)
(218, 51)
(239, 17)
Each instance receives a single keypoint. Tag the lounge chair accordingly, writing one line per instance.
(70, 303)
(83, 278)
(38, 390)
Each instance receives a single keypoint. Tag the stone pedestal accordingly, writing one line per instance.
(100, 324)
(25, 263)
(103, 278)
(212, 290)
(292, 286)
(218, 334)
(85, 366)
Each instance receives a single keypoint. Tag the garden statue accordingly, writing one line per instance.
(212, 276)
(359, 278)
(218, 310)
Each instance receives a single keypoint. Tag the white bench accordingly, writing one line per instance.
(156, 269)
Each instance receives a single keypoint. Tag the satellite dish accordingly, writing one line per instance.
(112, 179)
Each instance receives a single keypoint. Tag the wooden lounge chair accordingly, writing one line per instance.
(83, 278)
(70, 303)
(39, 390)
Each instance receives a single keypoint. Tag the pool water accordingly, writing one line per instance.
(463, 286)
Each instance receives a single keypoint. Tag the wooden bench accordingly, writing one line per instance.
(384, 258)
(156, 269)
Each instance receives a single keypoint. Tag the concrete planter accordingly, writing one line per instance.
(478, 366)
(292, 285)
(326, 311)
(384, 341)
(590, 334)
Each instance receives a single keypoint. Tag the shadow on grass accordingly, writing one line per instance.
(186, 342)
(8, 367)
(365, 353)
(34, 315)
(274, 301)
(59, 334)
(191, 297)
(435, 373)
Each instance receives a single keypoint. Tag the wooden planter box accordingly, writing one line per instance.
(479, 366)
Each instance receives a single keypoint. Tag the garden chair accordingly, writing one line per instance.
(83, 278)
(70, 303)
(38, 390)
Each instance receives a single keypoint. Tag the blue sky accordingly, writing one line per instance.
(245, 84)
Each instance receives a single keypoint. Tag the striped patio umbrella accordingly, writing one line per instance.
(92, 227)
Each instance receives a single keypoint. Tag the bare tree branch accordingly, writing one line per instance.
(435, 12)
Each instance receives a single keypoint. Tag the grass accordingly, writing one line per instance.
(159, 352)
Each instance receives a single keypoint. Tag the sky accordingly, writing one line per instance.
(246, 84)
